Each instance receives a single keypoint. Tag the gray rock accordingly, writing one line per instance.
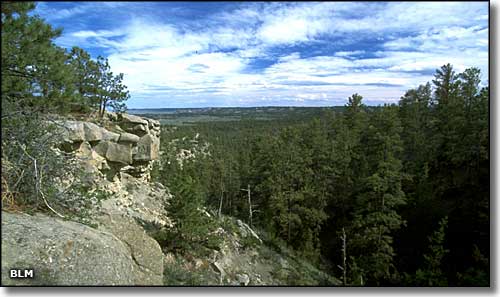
(140, 128)
(96, 133)
(63, 253)
(145, 202)
(145, 251)
(128, 118)
(77, 131)
(72, 131)
(243, 279)
(128, 137)
(115, 152)
(153, 123)
(148, 148)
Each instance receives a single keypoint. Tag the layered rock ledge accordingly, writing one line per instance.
(114, 156)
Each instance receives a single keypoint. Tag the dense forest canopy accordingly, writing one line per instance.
(389, 195)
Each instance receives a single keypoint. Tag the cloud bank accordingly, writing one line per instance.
(265, 53)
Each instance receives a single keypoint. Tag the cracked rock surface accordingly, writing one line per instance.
(63, 253)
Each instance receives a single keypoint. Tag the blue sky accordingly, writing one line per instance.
(197, 54)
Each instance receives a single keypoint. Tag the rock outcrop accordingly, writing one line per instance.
(145, 251)
(68, 253)
(117, 158)
(128, 143)
(116, 155)
(114, 159)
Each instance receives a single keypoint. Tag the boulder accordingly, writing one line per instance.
(91, 159)
(145, 251)
(128, 137)
(115, 152)
(153, 123)
(128, 118)
(63, 253)
(243, 279)
(96, 133)
(148, 148)
(140, 128)
(72, 131)
(76, 131)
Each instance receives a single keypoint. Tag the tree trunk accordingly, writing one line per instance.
(249, 206)
(219, 213)
(289, 217)
(344, 257)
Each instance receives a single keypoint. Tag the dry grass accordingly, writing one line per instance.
(9, 198)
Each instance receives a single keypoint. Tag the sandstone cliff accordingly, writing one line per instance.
(116, 157)
(111, 237)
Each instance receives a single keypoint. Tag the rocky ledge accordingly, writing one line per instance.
(126, 143)
(116, 155)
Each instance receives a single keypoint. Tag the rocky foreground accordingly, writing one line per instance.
(118, 248)
(117, 160)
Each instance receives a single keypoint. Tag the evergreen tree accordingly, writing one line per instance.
(34, 72)
(432, 274)
(112, 92)
(86, 76)
(375, 215)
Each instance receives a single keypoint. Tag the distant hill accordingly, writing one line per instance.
(175, 116)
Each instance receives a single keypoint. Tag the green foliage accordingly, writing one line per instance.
(194, 227)
(431, 274)
(111, 90)
(310, 172)
(34, 72)
(177, 274)
(375, 216)
(86, 77)
(384, 173)
(477, 275)
(447, 160)
(82, 204)
(31, 169)
(191, 224)
(41, 81)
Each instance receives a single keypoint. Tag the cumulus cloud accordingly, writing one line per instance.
(278, 53)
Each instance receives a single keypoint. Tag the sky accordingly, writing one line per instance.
(202, 54)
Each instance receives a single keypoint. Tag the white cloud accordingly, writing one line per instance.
(349, 53)
(171, 60)
(56, 13)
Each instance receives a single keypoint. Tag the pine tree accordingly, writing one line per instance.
(86, 78)
(375, 215)
(112, 92)
(34, 72)
(191, 225)
(432, 274)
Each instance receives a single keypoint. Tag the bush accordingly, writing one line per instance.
(31, 168)
(178, 274)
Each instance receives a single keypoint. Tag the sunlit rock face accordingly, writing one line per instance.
(66, 253)
(116, 154)
(127, 143)
(112, 156)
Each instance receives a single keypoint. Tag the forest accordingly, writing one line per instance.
(380, 196)
(393, 195)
